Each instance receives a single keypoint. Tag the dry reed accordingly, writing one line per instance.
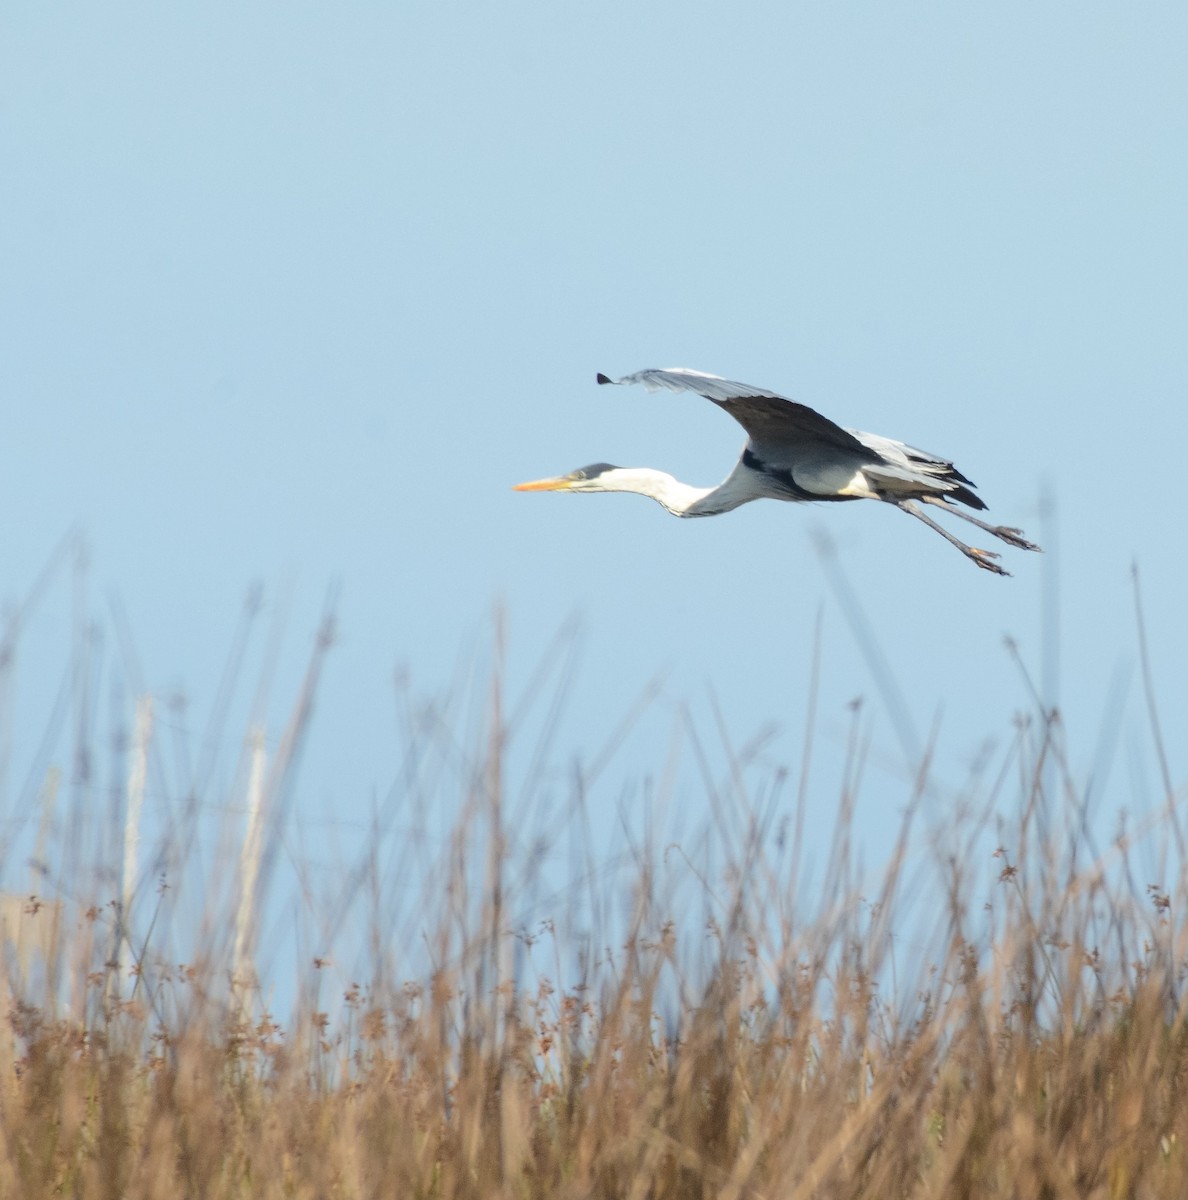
(1030, 1043)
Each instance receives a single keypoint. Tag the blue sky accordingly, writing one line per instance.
(293, 294)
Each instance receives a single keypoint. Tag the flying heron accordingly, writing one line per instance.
(794, 453)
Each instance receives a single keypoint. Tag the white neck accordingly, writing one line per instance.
(681, 499)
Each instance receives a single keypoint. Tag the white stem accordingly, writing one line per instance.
(137, 780)
(249, 867)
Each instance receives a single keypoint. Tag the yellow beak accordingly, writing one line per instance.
(557, 484)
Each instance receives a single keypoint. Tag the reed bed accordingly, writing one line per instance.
(997, 1012)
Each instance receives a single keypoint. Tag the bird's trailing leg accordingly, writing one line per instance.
(983, 558)
(1010, 535)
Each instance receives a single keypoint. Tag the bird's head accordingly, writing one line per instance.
(598, 477)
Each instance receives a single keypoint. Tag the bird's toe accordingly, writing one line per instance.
(986, 560)
(1013, 537)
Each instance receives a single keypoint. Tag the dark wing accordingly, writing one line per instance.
(779, 428)
(814, 457)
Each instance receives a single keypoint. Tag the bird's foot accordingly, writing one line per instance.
(1014, 537)
(985, 560)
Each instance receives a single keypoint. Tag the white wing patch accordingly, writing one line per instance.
(828, 479)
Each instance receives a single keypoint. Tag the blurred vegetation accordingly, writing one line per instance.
(999, 1013)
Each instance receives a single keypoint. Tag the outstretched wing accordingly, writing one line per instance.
(780, 429)
(811, 455)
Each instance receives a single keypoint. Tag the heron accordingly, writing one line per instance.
(794, 453)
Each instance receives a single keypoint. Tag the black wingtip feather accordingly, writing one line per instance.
(601, 378)
(966, 496)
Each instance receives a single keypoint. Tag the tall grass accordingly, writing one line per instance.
(998, 1012)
